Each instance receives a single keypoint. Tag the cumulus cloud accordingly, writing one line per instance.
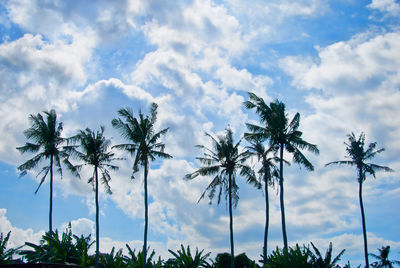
(389, 7)
(18, 236)
(81, 226)
(353, 66)
(194, 63)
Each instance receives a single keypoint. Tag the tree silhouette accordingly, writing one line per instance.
(144, 146)
(317, 260)
(283, 135)
(223, 161)
(358, 155)
(94, 152)
(383, 258)
(267, 175)
(6, 255)
(46, 139)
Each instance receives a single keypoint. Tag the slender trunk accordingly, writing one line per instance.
(51, 195)
(146, 216)
(97, 216)
(363, 225)
(266, 178)
(231, 221)
(285, 244)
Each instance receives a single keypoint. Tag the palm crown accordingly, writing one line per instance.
(383, 258)
(279, 130)
(223, 160)
(94, 152)
(144, 140)
(46, 137)
(358, 156)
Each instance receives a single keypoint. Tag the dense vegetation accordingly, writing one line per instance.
(68, 248)
(225, 161)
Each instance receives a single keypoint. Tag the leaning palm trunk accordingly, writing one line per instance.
(266, 175)
(146, 216)
(363, 225)
(97, 218)
(231, 222)
(51, 195)
(285, 244)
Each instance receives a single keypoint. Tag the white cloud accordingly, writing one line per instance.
(55, 19)
(189, 66)
(353, 66)
(389, 7)
(37, 74)
(18, 236)
(82, 226)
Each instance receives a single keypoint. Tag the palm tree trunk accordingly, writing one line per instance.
(285, 244)
(231, 222)
(51, 195)
(146, 216)
(363, 225)
(97, 217)
(266, 177)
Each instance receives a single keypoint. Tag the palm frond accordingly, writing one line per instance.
(29, 147)
(31, 163)
(45, 170)
(341, 162)
(299, 158)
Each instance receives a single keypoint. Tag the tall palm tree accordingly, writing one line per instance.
(223, 161)
(358, 156)
(283, 135)
(383, 258)
(268, 172)
(94, 152)
(46, 139)
(144, 146)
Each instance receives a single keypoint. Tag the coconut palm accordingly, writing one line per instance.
(268, 173)
(144, 146)
(224, 160)
(45, 135)
(358, 156)
(383, 258)
(283, 135)
(94, 152)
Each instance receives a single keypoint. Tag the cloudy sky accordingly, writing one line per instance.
(335, 62)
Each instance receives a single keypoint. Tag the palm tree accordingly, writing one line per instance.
(358, 156)
(268, 172)
(282, 135)
(144, 146)
(223, 161)
(383, 258)
(46, 139)
(94, 152)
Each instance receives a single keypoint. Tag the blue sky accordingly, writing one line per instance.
(335, 62)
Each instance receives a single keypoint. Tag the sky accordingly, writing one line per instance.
(337, 63)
